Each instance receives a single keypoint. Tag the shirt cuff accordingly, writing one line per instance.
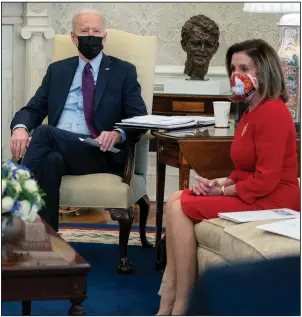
(123, 134)
(20, 126)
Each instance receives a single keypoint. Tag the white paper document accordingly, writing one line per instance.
(185, 132)
(165, 122)
(289, 228)
(200, 119)
(247, 216)
(156, 126)
(96, 143)
(156, 119)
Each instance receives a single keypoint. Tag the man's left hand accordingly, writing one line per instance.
(108, 139)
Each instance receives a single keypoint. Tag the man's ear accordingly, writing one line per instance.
(74, 39)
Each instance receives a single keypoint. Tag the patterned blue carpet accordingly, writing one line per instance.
(109, 293)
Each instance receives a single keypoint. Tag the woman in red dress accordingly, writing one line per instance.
(265, 159)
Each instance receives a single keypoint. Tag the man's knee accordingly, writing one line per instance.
(42, 133)
(55, 160)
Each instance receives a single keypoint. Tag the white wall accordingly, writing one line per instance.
(13, 58)
(7, 93)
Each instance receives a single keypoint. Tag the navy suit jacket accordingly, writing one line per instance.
(118, 95)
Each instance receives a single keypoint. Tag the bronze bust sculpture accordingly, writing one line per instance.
(200, 40)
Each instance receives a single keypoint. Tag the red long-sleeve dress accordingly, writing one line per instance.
(266, 168)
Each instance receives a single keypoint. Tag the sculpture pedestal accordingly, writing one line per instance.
(196, 87)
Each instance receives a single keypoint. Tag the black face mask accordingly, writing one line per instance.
(90, 46)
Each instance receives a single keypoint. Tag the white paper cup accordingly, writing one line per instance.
(222, 113)
(221, 132)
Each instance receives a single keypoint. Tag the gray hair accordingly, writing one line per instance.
(86, 11)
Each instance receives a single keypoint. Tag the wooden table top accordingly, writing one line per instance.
(204, 133)
(42, 251)
(209, 132)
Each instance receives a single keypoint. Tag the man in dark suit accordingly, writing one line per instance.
(82, 96)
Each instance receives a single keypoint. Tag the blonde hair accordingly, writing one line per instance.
(270, 75)
(74, 19)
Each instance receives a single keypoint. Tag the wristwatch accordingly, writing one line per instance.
(222, 189)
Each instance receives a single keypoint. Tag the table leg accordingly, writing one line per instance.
(160, 191)
(76, 308)
(26, 308)
(184, 177)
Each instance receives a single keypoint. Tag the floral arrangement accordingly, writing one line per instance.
(21, 195)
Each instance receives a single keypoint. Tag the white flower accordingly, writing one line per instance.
(27, 212)
(38, 199)
(33, 213)
(16, 186)
(22, 174)
(7, 204)
(24, 206)
(23, 210)
(31, 185)
(4, 183)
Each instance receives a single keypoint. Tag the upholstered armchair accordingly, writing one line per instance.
(117, 194)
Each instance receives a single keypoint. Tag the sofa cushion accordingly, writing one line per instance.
(101, 190)
(207, 258)
(209, 233)
(245, 241)
(240, 242)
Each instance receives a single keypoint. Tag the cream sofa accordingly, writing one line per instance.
(223, 242)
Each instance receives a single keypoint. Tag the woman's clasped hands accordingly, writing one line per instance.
(206, 187)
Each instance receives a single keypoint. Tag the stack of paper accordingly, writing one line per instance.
(165, 122)
(200, 119)
(289, 228)
(269, 214)
(185, 132)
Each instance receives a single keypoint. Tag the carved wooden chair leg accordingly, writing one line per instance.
(69, 210)
(144, 208)
(125, 219)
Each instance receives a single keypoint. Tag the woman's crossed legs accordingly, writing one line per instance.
(181, 259)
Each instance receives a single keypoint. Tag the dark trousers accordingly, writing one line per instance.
(53, 153)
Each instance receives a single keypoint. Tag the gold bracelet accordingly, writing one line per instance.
(223, 192)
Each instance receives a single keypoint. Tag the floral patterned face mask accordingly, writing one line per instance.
(243, 85)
